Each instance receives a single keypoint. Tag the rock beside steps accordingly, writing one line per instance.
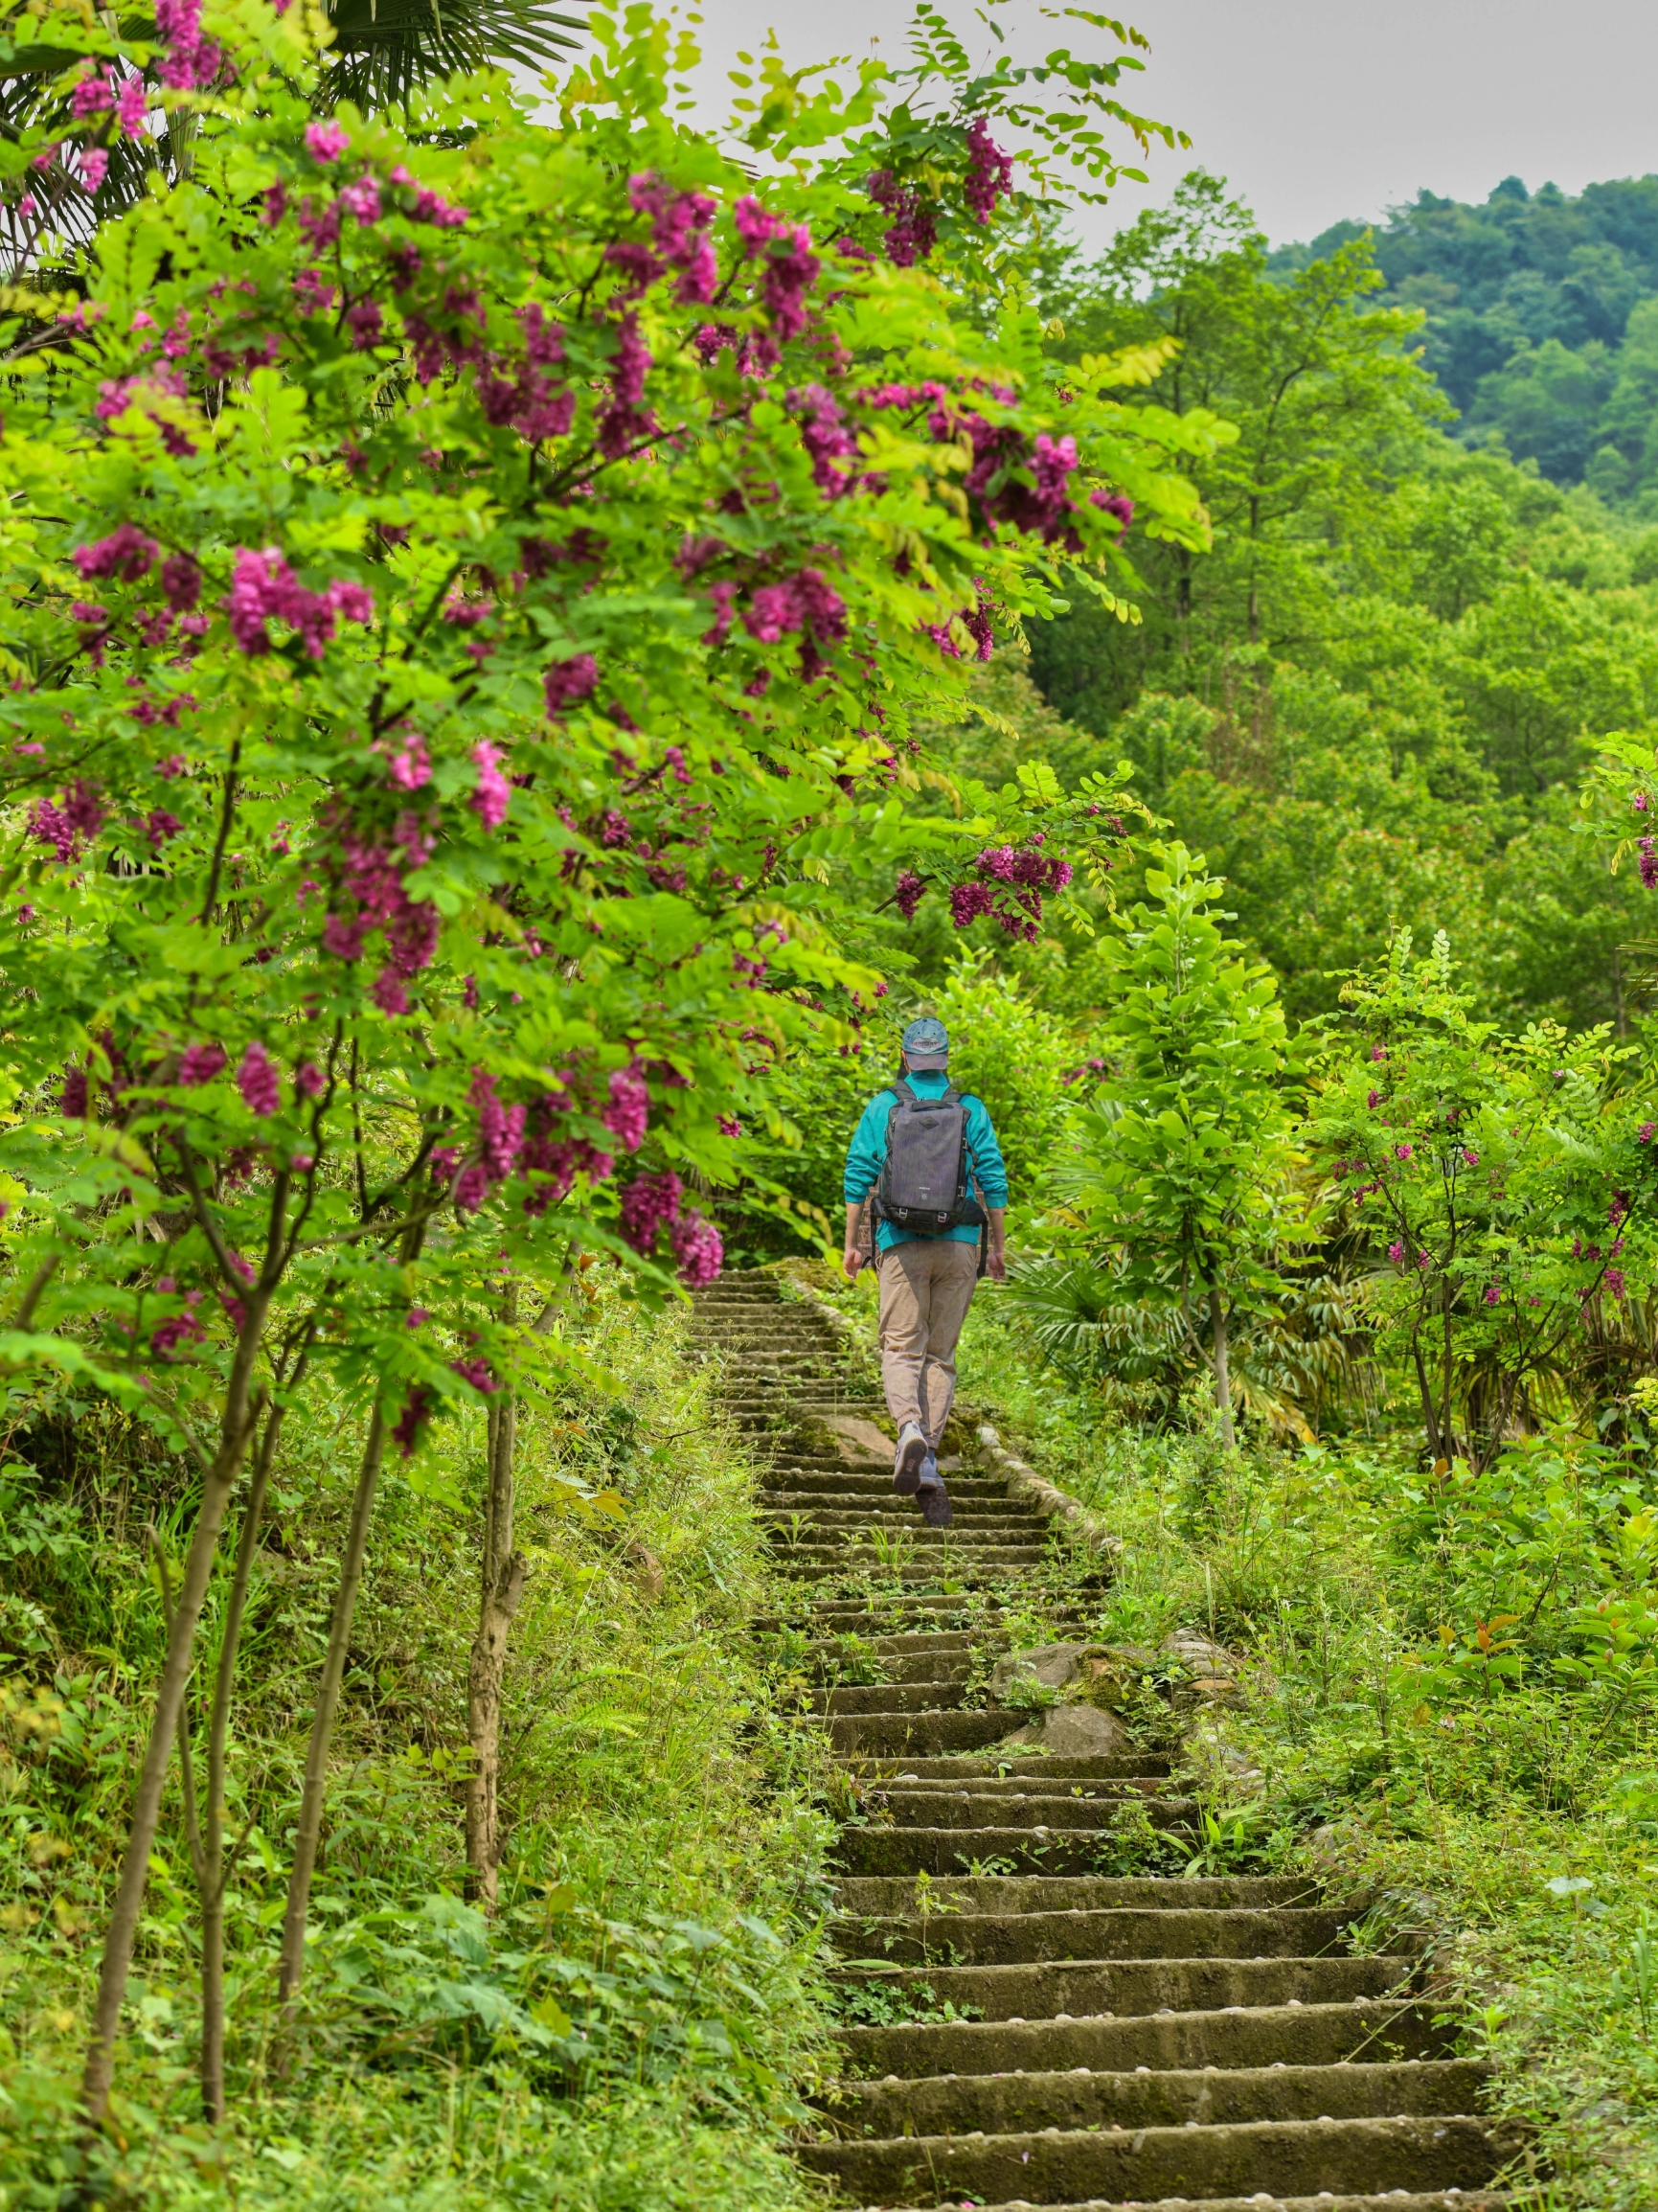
(1025, 2032)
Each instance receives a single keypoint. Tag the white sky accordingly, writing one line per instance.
(1317, 109)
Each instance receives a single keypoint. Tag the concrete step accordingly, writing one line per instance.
(967, 1897)
(1295, 2034)
(1020, 2104)
(1275, 2158)
(999, 1939)
(933, 1696)
(891, 1735)
(1041, 1850)
(1019, 1766)
(963, 1811)
(1080, 1987)
(1482, 2199)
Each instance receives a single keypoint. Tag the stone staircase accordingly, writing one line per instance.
(1025, 2031)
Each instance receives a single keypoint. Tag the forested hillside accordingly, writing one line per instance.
(1539, 322)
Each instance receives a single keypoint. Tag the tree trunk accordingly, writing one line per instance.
(215, 1868)
(291, 1969)
(1430, 1416)
(1219, 1359)
(501, 1587)
(237, 1426)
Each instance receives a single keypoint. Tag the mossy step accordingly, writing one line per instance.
(1038, 1850)
(1022, 1765)
(1023, 2104)
(1029, 1806)
(997, 1893)
(1274, 2157)
(931, 1696)
(1396, 2200)
(1007, 1938)
(1135, 1985)
(1300, 2035)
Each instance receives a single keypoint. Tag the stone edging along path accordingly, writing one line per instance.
(1024, 2031)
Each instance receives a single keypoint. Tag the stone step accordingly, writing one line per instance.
(1273, 2157)
(1297, 2034)
(891, 1736)
(931, 1696)
(963, 1810)
(967, 1568)
(988, 1521)
(946, 1669)
(1019, 1766)
(1022, 2103)
(832, 1490)
(1041, 1850)
(1081, 1987)
(967, 1896)
(1004, 1938)
(1396, 2200)
(958, 1549)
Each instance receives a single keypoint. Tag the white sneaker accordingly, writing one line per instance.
(907, 1462)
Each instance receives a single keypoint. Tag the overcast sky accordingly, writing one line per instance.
(1317, 109)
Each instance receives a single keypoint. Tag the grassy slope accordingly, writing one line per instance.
(663, 1887)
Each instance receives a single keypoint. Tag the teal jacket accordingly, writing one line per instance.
(867, 1155)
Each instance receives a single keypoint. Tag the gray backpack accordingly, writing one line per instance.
(926, 1185)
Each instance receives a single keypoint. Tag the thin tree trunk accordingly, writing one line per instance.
(291, 1969)
(215, 1868)
(1430, 1417)
(237, 1426)
(501, 1587)
(1219, 1358)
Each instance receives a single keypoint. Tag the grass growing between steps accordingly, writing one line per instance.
(1448, 1701)
(632, 2033)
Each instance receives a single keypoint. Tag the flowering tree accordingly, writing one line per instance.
(1504, 1187)
(469, 583)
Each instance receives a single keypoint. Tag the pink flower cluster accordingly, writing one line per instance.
(369, 894)
(990, 172)
(500, 1142)
(527, 396)
(1011, 883)
(98, 91)
(567, 682)
(826, 437)
(975, 619)
(907, 893)
(263, 586)
(789, 265)
(492, 792)
(191, 59)
(679, 240)
(256, 1079)
(71, 822)
(1648, 862)
(627, 420)
(806, 603)
(183, 1328)
(651, 1203)
(913, 231)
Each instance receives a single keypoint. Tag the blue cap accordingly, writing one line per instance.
(926, 1043)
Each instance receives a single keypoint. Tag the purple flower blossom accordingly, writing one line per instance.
(476, 1372)
(309, 1080)
(1614, 1281)
(1493, 1297)
(199, 1063)
(647, 1203)
(1117, 503)
(263, 585)
(159, 825)
(1379, 1052)
(257, 1081)
(494, 793)
(126, 554)
(729, 1126)
(628, 1109)
(913, 231)
(325, 140)
(417, 1411)
(1471, 1159)
(93, 93)
(181, 581)
(1644, 1134)
(132, 107)
(74, 1099)
(990, 172)
(907, 893)
(388, 992)
(94, 168)
(1397, 1254)
(1403, 1151)
(567, 682)
(697, 1248)
(1373, 1100)
(1648, 862)
(361, 199)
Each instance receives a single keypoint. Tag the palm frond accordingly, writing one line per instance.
(384, 50)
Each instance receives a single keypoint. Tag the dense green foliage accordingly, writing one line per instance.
(1538, 321)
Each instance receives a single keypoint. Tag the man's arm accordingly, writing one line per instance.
(997, 1245)
(853, 1257)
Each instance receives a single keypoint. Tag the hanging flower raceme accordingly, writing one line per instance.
(652, 1204)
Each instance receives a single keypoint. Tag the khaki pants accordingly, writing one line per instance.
(926, 1288)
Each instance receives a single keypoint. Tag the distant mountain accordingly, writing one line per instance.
(1542, 322)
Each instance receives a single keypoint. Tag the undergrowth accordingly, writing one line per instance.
(635, 2027)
